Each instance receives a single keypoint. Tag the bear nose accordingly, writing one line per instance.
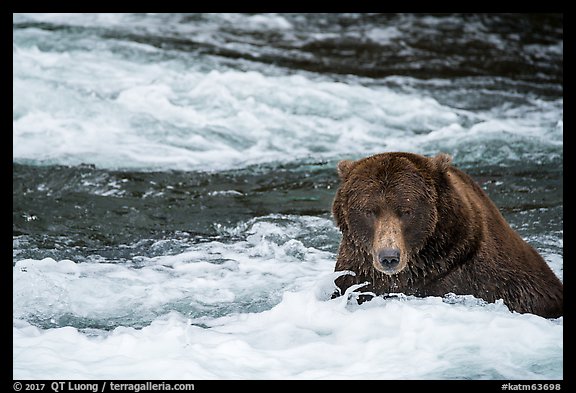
(389, 258)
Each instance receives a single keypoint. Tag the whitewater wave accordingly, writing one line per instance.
(89, 107)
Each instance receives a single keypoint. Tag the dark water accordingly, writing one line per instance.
(76, 212)
(76, 216)
(173, 176)
(518, 46)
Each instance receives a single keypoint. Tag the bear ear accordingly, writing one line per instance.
(344, 168)
(443, 162)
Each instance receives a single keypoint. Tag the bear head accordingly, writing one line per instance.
(387, 205)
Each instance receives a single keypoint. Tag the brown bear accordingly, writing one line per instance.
(417, 225)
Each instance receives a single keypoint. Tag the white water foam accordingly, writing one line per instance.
(304, 337)
(268, 260)
(98, 107)
(258, 308)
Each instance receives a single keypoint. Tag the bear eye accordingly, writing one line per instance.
(369, 214)
(366, 214)
(372, 213)
(362, 214)
(405, 212)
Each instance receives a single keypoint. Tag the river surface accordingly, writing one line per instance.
(173, 177)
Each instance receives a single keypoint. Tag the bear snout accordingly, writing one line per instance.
(388, 260)
(388, 247)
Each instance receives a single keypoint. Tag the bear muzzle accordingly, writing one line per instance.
(388, 248)
(387, 260)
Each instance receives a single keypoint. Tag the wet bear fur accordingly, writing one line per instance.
(418, 225)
